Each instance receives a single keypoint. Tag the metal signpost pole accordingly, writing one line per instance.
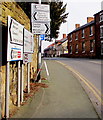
(39, 42)
(7, 90)
(22, 83)
(28, 79)
(19, 71)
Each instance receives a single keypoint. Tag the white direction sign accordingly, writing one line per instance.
(28, 42)
(15, 40)
(40, 7)
(40, 18)
(41, 28)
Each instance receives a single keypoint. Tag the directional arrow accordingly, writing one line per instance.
(35, 16)
(47, 30)
(41, 28)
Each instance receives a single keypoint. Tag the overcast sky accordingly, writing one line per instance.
(78, 10)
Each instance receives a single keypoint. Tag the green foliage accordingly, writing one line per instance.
(58, 16)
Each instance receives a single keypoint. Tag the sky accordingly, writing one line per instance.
(78, 10)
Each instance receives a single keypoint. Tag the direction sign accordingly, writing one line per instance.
(15, 40)
(41, 28)
(28, 42)
(40, 18)
(40, 7)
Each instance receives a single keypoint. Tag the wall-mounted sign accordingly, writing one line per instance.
(28, 42)
(15, 40)
(27, 58)
(15, 52)
(40, 18)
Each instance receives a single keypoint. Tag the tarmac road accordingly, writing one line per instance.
(64, 98)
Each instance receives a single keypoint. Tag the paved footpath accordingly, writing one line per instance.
(64, 98)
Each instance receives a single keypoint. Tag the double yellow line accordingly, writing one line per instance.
(95, 91)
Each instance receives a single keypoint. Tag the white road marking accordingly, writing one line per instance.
(46, 68)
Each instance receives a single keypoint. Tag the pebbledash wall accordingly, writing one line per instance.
(14, 10)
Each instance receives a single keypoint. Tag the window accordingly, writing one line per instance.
(83, 33)
(91, 30)
(76, 36)
(70, 37)
(101, 17)
(91, 46)
(76, 48)
(101, 48)
(83, 47)
(101, 31)
(70, 49)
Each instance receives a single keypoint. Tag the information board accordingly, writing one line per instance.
(28, 42)
(15, 40)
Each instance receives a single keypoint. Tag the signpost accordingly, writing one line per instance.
(15, 43)
(41, 28)
(40, 18)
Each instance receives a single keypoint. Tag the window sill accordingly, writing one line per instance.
(83, 52)
(91, 35)
(76, 52)
(91, 51)
(83, 37)
(70, 41)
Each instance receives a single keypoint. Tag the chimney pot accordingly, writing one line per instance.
(64, 35)
(77, 26)
(90, 19)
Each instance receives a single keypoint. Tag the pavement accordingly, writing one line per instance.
(64, 98)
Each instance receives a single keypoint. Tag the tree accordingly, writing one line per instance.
(57, 16)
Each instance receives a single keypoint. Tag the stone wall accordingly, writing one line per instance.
(15, 11)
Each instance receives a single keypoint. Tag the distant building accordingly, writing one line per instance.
(81, 41)
(56, 48)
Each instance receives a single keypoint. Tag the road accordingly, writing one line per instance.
(64, 98)
(89, 72)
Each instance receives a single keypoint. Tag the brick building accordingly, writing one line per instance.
(81, 41)
(99, 33)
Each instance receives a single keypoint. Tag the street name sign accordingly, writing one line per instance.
(40, 18)
(15, 40)
(28, 42)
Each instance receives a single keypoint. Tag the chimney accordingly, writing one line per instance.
(77, 26)
(64, 35)
(89, 19)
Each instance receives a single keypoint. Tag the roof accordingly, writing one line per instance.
(98, 12)
(83, 26)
